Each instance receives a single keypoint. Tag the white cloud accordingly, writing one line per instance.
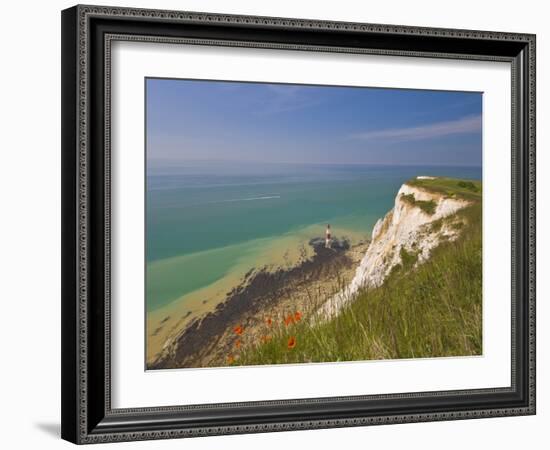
(465, 125)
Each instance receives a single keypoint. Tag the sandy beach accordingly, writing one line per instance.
(263, 299)
(268, 255)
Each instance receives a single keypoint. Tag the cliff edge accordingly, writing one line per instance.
(424, 215)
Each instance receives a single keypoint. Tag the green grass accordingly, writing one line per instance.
(450, 187)
(408, 259)
(432, 310)
(428, 206)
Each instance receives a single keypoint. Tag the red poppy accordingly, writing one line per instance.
(291, 342)
(238, 330)
(268, 321)
(297, 316)
(289, 320)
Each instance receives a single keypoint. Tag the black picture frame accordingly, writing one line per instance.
(87, 415)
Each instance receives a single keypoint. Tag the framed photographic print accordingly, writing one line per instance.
(279, 224)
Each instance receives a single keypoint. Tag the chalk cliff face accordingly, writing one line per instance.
(408, 229)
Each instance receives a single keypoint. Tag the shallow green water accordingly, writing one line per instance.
(204, 221)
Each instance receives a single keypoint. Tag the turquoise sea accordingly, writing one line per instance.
(207, 221)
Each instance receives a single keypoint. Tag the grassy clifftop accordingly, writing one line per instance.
(450, 187)
(429, 310)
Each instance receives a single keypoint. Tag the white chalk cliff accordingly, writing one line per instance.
(406, 226)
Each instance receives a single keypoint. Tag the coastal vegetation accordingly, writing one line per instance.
(450, 187)
(428, 206)
(428, 309)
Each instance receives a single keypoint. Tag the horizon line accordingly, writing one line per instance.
(303, 163)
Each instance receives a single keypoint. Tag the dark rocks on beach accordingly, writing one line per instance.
(162, 322)
(262, 289)
(248, 274)
(336, 244)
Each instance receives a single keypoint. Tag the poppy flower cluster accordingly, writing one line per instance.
(293, 318)
(291, 342)
(238, 330)
(288, 320)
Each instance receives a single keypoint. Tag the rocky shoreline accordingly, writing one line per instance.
(262, 301)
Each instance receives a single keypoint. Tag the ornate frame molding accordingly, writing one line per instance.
(80, 217)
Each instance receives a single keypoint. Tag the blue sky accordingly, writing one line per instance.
(229, 121)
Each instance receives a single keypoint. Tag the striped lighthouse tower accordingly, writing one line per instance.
(328, 238)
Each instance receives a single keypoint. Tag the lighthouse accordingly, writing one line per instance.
(328, 238)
